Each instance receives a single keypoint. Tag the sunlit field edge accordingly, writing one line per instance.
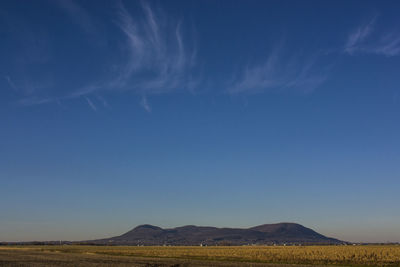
(382, 255)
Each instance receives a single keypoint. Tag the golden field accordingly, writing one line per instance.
(305, 255)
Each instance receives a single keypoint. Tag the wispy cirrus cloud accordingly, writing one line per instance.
(367, 39)
(159, 60)
(90, 103)
(357, 37)
(279, 72)
(145, 104)
(11, 83)
(36, 100)
(154, 59)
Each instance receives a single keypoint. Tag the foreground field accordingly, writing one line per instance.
(200, 256)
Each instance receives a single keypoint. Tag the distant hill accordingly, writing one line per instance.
(280, 233)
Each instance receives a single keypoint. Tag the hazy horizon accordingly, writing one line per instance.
(61, 233)
(223, 113)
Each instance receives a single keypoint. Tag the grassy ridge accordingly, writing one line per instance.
(316, 255)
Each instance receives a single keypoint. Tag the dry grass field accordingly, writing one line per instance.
(68, 255)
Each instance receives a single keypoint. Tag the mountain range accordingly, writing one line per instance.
(266, 234)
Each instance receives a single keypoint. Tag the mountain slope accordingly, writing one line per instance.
(279, 233)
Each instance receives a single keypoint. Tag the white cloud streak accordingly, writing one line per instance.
(91, 104)
(389, 45)
(35, 100)
(358, 36)
(145, 104)
(366, 39)
(156, 59)
(159, 62)
(11, 83)
(279, 73)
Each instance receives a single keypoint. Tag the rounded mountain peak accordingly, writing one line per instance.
(147, 227)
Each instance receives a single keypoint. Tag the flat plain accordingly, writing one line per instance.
(74, 255)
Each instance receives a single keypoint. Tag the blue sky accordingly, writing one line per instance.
(224, 113)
